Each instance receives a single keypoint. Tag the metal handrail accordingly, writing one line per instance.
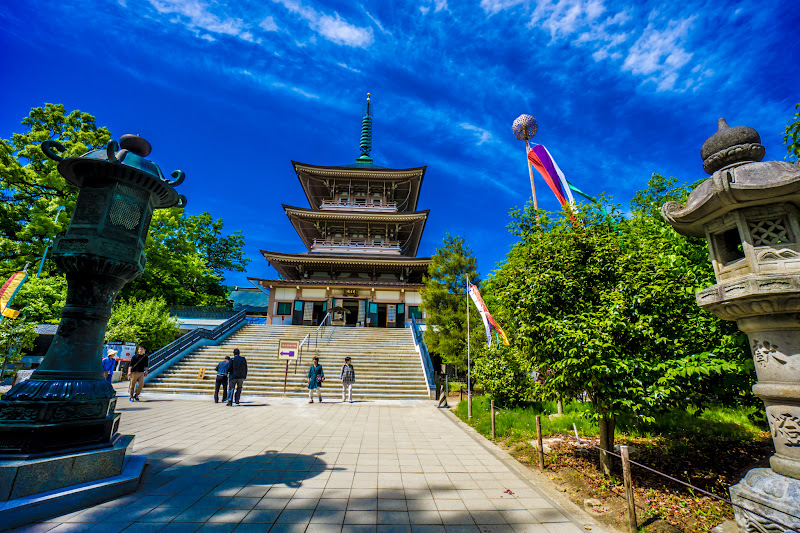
(164, 354)
(316, 332)
(427, 364)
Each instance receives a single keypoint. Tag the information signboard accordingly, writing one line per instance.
(287, 349)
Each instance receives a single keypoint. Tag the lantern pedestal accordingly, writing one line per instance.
(769, 494)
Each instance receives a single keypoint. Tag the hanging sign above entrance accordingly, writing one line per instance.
(287, 349)
(350, 292)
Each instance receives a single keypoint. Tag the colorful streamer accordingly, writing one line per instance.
(8, 291)
(488, 321)
(541, 158)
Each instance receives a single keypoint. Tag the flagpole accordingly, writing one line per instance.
(530, 173)
(469, 375)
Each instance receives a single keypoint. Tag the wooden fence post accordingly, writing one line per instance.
(539, 441)
(492, 407)
(626, 477)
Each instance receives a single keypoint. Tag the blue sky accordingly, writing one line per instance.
(231, 93)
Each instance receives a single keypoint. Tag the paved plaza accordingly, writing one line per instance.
(283, 465)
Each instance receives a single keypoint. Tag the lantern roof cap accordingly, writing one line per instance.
(731, 146)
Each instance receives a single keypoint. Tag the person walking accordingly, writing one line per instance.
(237, 373)
(222, 379)
(315, 378)
(348, 377)
(138, 371)
(109, 363)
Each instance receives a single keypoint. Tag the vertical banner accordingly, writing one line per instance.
(8, 291)
(488, 321)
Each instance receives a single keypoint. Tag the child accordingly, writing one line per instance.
(348, 377)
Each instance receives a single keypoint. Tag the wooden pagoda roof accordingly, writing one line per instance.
(317, 180)
(289, 265)
(413, 222)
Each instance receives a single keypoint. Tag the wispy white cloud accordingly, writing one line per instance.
(659, 55)
(496, 6)
(197, 15)
(268, 24)
(332, 27)
(481, 134)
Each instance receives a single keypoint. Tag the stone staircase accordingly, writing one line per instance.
(386, 363)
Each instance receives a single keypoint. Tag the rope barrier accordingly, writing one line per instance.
(671, 478)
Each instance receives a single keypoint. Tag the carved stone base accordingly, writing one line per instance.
(26, 441)
(771, 495)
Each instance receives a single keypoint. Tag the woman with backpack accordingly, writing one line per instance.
(315, 378)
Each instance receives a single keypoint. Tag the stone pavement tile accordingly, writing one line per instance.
(563, 527)
(35, 528)
(181, 500)
(391, 494)
(323, 528)
(229, 516)
(538, 503)
(519, 516)
(155, 500)
(418, 494)
(529, 528)
(393, 517)
(210, 527)
(450, 505)
(392, 504)
(295, 516)
(508, 504)
(445, 494)
(461, 528)
(361, 517)
(195, 515)
(254, 491)
(288, 528)
(488, 517)
(479, 504)
(143, 527)
(302, 503)
(225, 490)
(426, 528)
(181, 527)
(327, 517)
(456, 518)
(359, 528)
(364, 493)
(252, 528)
(109, 527)
(210, 502)
(495, 528)
(71, 527)
(272, 503)
(309, 492)
(394, 528)
(548, 515)
(420, 505)
(424, 517)
(332, 504)
(161, 514)
(262, 516)
(335, 493)
(280, 492)
(242, 502)
(362, 504)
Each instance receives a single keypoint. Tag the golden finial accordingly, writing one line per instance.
(367, 97)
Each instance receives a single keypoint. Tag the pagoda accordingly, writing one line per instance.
(362, 231)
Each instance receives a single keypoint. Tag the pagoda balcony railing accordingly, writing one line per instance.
(358, 203)
(356, 245)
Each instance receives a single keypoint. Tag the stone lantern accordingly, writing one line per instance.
(748, 212)
(66, 407)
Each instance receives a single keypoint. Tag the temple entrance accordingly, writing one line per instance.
(351, 318)
(308, 313)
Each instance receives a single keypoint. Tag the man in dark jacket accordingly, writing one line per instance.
(222, 379)
(237, 372)
(137, 372)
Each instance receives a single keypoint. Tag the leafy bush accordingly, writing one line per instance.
(500, 375)
(41, 299)
(145, 322)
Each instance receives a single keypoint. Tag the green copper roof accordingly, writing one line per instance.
(366, 134)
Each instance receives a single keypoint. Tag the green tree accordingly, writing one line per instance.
(186, 258)
(31, 189)
(16, 336)
(607, 308)
(187, 255)
(145, 322)
(792, 136)
(41, 299)
(444, 300)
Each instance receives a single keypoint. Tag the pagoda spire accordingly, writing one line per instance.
(366, 133)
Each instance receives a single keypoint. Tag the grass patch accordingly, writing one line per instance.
(711, 448)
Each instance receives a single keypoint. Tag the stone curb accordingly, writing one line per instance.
(579, 517)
